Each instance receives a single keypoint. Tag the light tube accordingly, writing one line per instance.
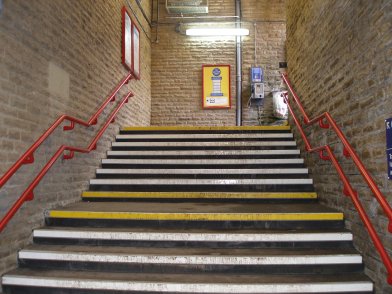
(217, 32)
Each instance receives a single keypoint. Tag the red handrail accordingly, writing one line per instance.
(28, 156)
(348, 189)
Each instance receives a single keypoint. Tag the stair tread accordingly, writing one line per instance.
(203, 171)
(208, 143)
(192, 207)
(206, 128)
(199, 195)
(189, 251)
(205, 152)
(204, 161)
(190, 278)
(189, 231)
(192, 235)
(205, 136)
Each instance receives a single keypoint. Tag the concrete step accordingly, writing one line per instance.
(204, 153)
(233, 183)
(203, 171)
(203, 163)
(151, 237)
(193, 182)
(204, 137)
(198, 144)
(185, 259)
(259, 215)
(204, 129)
(160, 196)
(49, 281)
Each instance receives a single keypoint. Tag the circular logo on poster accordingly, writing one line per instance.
(216, 71)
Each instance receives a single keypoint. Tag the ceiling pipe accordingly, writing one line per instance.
(238, 66)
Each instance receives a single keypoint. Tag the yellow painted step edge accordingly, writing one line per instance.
(197, 216)
(179, 195)
(206, 128)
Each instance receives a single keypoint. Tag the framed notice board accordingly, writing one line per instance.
(216, 86)
(126, 40)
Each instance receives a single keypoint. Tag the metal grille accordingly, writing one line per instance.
(187, 6)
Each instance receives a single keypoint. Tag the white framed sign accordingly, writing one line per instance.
(135, 51)
(126, 40)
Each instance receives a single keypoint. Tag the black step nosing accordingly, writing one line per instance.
(199, 176)
(192, 244)
(275, 156)
(174, 148)
(201, 141)
(189, 132)
(199, 166)
(41, 290)
(173, 268)
(275, 225)
(203, 188)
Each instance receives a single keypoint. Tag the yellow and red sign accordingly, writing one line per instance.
(216, 86)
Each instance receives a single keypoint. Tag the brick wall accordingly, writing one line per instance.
(177, 61)
(339, 60)
(59, 57)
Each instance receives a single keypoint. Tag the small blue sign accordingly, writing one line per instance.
(388, 129)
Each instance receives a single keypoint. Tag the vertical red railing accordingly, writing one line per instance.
(348, 152)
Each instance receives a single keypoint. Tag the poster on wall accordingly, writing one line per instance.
(126, 39)
(135, 51)
(216, 86)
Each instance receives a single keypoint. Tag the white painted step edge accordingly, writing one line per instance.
(203, 171)
(190, 259)
(205, 136)
(206, 237)
(112, 285)
(201, 181)
(202, 144)
(203, 152)
(204, 161)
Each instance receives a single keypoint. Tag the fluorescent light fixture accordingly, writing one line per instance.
(217, 32)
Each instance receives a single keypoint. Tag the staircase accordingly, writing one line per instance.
(194, 210)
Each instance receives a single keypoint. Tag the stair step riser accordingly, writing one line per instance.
(204, 240)
(312, 259)
(205, 148)
(212, 153)
(179, 264)
(217, 162)
(178, 197)
(205, 188)
(288, 171)
(223, 225)
(204, 129)
(189, 176)
(215, 144)
(201, 182)
(173, 268)
(195, 244)
(203, 137)
(151, 287)
(196, 237)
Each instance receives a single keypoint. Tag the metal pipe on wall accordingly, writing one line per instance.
(238, 66)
